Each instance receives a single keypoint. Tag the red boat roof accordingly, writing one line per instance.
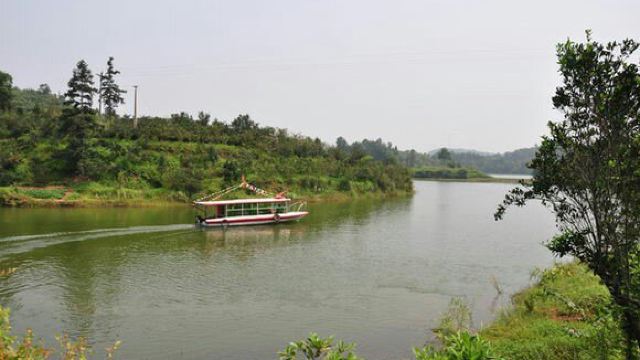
(242, 201)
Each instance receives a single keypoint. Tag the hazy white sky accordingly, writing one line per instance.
(422, 74)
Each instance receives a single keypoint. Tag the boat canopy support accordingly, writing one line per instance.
(245, 185)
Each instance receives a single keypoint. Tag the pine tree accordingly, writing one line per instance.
(77, 123)
(81, 90)
(5, 91)
(110, 92)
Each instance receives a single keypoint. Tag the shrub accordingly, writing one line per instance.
(316, 348)
(459, 346)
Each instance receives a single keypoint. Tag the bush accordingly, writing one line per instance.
(13, 347)
(344, 185)
(317, 348)
(47, 194)
(459, 346)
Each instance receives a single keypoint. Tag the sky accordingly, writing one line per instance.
(422, 74)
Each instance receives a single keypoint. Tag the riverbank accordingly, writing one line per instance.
(564, 315)
(476, 180)
(447, 172)
(99, 195)
(461, 174)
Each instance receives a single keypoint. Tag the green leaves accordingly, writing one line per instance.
(315, 347)
(5, 91)
(568, 243)
(81, 90)
(110, 93)
(458, 346)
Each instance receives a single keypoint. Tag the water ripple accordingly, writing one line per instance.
(12, 245)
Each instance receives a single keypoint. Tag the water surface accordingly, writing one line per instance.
(376, 272)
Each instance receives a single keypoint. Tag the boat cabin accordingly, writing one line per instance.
(243, 207)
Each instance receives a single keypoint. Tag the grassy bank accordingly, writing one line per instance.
(54, 154)
(448, 173)
(565, 315)
(105, 195)
(477, 180)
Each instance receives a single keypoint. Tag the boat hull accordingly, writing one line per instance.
(253, 219)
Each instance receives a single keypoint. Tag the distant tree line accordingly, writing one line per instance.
(511, 162)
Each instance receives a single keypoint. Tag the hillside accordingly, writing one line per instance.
(511, 162)
(99, 159)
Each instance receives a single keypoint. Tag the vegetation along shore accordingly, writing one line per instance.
(565, 314)
(66, 151)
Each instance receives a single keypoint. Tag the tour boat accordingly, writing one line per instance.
(256, 211)
(248, 212)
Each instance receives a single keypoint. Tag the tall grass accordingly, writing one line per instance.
(567, 314)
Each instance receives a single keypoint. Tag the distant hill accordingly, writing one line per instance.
(459, 151)
(511, 162)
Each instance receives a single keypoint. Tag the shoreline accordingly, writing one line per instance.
(558, 316)
(22, 201)
(474, 180)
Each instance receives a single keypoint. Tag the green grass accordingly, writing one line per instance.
(42, 193)
(448, 173)
(563, 316)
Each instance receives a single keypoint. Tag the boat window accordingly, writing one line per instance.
(250, 209)
(281, 207)
(234, 210)
(264, 208)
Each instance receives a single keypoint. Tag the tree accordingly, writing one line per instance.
(5, 91)
(44, 89)
(243, 123)
(110, 92)
(342, 144)
(444, 155)
(204, 118)
(588, 170)
(77, 121)
(230, 172)
(81, 90)
(412, 158)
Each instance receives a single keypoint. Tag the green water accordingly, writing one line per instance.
(375, 272)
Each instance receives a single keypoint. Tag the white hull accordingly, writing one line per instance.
(254, 219)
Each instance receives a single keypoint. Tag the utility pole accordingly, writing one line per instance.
(100, 76)
(135, 106)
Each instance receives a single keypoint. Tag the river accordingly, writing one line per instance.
(379, 273)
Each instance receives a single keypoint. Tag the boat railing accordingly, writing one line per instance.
(298, 205)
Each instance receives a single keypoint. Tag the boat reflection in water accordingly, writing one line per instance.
(251, 239)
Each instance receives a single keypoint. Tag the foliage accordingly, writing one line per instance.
(438, 172)
(44, 142)
(456, 319)
(510, 162)
(587, 170)
(24, 348)
(443, 155)
(230, 172)
(314, 347)
(81, 89)
(566, 314)
(110, 93)
(5, 91)
(56, 193)
(458, 346)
